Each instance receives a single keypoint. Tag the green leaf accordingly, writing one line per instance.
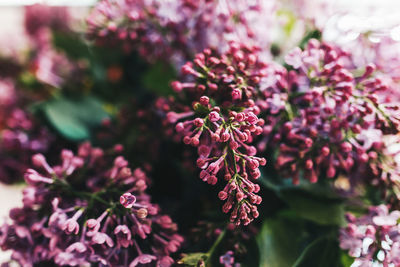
(323, 251)
(315, 208)
(315, 202)
(279, 242)
(252, 255)
(74, 118)
(158, 77)
(193, 259)
(72, 44)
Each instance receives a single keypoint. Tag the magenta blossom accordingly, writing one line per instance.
(222, 123)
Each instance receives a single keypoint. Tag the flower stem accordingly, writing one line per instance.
(214, 247)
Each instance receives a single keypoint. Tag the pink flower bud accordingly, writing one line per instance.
(240, 116)
(120, 162)
(214, 116)
(118, 148)
(230, 70)
(213, 61)
(195, 141)
(309, 164)
(172, 117)
(369, 69)
(325, 151)
(252, 59)
(308, 142)
(225, 136)
(236, 94)
(198, 122)
(212, 86)
(287, 126)
(331, 172)
(187, 69)
(179, 127)
(142, 213)
(67, 154)
(40, 161)
(176, 86)
(346, 147)
(252, 118)
(239, 196)
(204, 100)
(222, 195)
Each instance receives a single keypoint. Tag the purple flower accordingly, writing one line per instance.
(124, 235)
(71, 225)
(127, 200)
(142, 259)
(227, 259)
(377, 231)
(20, 135)
(326, 122)
(387, 220)
(101, 238)
(294, 58)
(53, 225)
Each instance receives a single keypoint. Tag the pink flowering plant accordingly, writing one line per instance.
(190, 133)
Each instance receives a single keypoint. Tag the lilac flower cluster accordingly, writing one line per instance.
(89, 209)
(178, 29)
(223, 122)
(373, 238)
(146, 26)
(20, 135)
(329, 117)
(216, 23)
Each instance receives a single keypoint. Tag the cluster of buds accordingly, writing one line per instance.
(20, 136)
(373, 239)
(88, 211)
(146, 26)
(231, 78)
(223, 123)
(330, 115)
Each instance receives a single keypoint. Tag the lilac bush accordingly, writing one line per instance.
(297, 132)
